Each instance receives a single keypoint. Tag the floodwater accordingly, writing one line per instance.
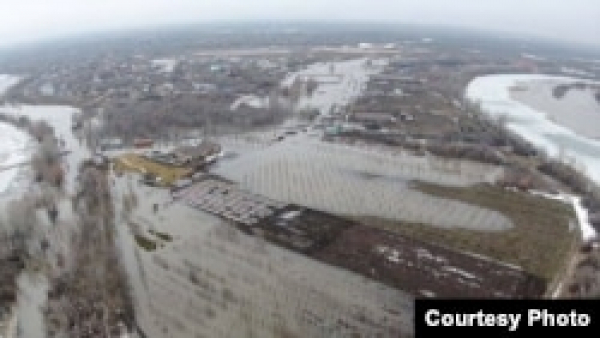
(346, 180)
(339, 82)
(531, 118)
(15, 148)
(14, 145)
(33, 288)
(211, 275)
(308, 172)
(59, 117)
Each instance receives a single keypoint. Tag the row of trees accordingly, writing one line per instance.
(142, 119)
(89, 296)
(93, 298)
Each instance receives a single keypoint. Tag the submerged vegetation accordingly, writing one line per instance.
(145, 243)
(162, 235)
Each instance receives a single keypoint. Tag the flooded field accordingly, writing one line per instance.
(346, 180)
(211, 275)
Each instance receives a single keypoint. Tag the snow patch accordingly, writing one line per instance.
(458, 271)
(583, 219)
(390, 254)
(425, 254)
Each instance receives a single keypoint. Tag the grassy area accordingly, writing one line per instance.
(163, 236)
(145, 243)
(539, 242)
(168, 174)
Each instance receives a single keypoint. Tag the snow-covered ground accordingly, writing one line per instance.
(493, 92)
(587, 230)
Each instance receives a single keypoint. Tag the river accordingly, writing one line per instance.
(535, 124)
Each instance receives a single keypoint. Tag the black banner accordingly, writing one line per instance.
(506, 318)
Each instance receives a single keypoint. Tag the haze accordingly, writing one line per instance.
(31, 20)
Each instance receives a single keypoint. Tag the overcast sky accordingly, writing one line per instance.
(570, 20)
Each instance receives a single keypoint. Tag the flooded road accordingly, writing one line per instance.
(339, 83)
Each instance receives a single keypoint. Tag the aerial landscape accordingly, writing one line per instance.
(301, 178)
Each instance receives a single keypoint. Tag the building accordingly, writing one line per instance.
(111, 143)
(143, 143)
(201, 154)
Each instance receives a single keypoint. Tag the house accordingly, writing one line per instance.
(143, 143)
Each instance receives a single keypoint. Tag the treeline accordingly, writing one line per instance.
(473, 152)
(559, 91)
(155, 118)
(92, 298)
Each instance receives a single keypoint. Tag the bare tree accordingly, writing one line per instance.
(41, 129)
